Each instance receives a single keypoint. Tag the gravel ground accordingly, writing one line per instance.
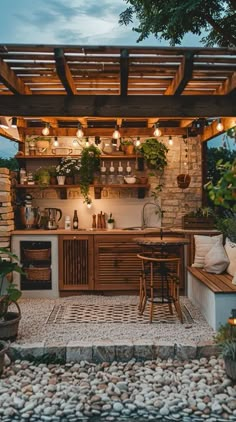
(35, 312)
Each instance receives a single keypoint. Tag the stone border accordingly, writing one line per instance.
(108, 351)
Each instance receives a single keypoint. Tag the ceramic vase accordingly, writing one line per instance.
(61, 180)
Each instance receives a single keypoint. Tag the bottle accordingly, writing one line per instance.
(111, 177)
(22, 176)
(67, 223)
(75, 220)
(103, 170)
(120, 176)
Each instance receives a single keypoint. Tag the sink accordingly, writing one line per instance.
(140, 228)
(133, 228)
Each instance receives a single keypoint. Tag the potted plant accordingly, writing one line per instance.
(42, 144)
(154, 153)
(201, 218)
(226, 340)
(9, 294)
(53, 175)
(90, 163)
(127, 146)
(42, 176)
(68, 167)
(110, 222)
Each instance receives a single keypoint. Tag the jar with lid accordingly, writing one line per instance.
(120, 175)
(67, 223)
(111, 176)
(103, 177)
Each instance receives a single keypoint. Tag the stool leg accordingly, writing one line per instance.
(177, 304)
(151, 294)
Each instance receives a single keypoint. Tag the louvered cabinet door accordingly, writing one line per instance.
(75, 262)
(116, 264)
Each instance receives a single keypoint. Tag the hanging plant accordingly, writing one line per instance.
(184, 179)
(154, 153)
(90, 163)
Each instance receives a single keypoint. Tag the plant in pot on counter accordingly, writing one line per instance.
(9, 294)
(90, 163)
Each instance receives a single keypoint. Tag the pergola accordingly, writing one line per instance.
(133, 87)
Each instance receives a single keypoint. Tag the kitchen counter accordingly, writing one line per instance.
(89, 231)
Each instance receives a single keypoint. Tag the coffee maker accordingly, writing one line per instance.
(53, 217)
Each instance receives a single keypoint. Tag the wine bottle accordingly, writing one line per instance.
(75, 220)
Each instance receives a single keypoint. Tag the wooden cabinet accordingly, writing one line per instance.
(75, 263)
(116, 264)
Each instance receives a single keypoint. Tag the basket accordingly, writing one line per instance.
(38, 273)
(183, 181)
(37, 254)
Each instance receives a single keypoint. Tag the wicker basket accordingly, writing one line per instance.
(37, 254)
(38, 274)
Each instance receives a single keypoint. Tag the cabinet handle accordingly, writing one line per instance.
(74, 237)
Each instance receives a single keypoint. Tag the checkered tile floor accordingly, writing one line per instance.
(113, 313)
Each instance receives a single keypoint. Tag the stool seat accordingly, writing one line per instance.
(159, 282)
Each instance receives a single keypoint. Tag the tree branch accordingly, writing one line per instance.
(226, 36)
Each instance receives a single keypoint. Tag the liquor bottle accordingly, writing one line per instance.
(75, 220)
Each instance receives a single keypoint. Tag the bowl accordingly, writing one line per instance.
(130, 179)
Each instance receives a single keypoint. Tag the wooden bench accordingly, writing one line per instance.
(214, 294)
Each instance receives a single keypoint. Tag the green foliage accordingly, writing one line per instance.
(110, 219)
(9, 293)
(226, 340)
(202, 212)
(9, 163)
(172, 20)
(223, 334)
(223, 193)
(42, 176)
(90, 163)
(155, 153)
(228, 350)
(227, 226)
(213, 156)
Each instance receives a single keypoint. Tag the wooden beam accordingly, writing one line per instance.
(145, 106)
(64, 72)
(124, 71)
(210, 132)
(228, 86)
(182, 76)
(172, 131)
(11, 81)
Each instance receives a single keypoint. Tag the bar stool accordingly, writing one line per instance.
(159, 282)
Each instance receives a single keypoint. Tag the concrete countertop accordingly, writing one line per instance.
(87, 231)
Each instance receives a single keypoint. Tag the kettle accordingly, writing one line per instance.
(53, 217)
(29, 216)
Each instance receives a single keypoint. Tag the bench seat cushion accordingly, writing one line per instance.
(217, 283)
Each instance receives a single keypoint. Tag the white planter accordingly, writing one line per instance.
(110, 226)
(61, 180)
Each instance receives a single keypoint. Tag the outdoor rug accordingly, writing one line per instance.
(114, 313)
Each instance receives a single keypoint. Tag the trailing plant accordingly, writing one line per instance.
(90, 163)
(154, 153)
(8, 291)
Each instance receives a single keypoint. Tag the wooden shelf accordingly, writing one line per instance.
(103, 156)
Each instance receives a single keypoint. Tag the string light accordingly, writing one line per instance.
(137, 142)
(116, 133)
(79, 132)
(219, 126)
(157, 132)
(45, 130)
(55, 142)
(170, 142)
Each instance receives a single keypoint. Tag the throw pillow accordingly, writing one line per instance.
(202, 246)
(230, 249)
(216, 260)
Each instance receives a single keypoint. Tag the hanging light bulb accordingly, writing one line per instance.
(137, 142)
(79, 132)
(45, 130)
(170, 142)
(14, 122)
(157, 132)
(116, 133)
(89, 203)
(219, 126)
(87, 142)
(55, 142)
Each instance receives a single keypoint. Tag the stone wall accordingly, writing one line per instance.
(6, 209)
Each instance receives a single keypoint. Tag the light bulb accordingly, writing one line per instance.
(219, 126)
(170, 142)
(87, 142)
(89, 203)
(45, 130)
(79, 132)
(116, 133)
(137, 142)
(157, 132)
(55, 142)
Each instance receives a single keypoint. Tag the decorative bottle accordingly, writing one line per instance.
(120, 175)
(111, 177)
(75, 220)
(128, 169)
(103, 170)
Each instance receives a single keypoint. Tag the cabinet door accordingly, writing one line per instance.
(116, 264)
(75, 262)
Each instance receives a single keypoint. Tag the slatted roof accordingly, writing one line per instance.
(117, 72)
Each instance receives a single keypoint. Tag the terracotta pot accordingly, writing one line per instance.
(129, 149)
(69, 180)
(53, 180)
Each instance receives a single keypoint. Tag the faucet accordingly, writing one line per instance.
(158, 211)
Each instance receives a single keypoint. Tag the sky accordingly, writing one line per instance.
(78, 22)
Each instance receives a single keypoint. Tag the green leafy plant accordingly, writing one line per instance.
(228, 350)
(90, 163)
(110, 219)
(154, 153)
(202, 212)
(42, 176)
(8, 291)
